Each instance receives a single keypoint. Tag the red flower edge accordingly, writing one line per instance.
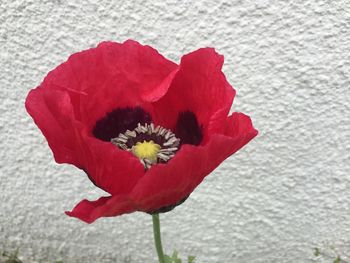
(192, 99)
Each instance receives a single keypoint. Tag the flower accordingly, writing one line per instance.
(144, 129)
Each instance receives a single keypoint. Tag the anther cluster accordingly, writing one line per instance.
(165, 140)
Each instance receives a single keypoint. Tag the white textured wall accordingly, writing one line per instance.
(286, 192)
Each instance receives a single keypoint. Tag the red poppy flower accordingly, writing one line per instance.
(143, 128)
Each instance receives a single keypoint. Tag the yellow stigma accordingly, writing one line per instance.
(146, 150)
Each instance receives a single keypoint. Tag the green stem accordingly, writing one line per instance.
(157, 239)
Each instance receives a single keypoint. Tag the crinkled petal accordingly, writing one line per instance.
(110, 168)
(167, 184)
(89, 211)
(200, 87)
(52, 112)
(112, 75)
(84, 89)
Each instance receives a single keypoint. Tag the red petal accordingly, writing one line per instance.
(200, 87)
(52, 112)
(89, 211)
(80, 91)
(169, 183)
(112, 75)
(112, 169)
(166, 184)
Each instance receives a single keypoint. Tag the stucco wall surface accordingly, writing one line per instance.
(283, 194)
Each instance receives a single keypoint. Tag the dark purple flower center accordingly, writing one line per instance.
(187, 129)
(118, 121)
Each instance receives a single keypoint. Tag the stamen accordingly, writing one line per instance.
(130, 133)
(150, 144)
